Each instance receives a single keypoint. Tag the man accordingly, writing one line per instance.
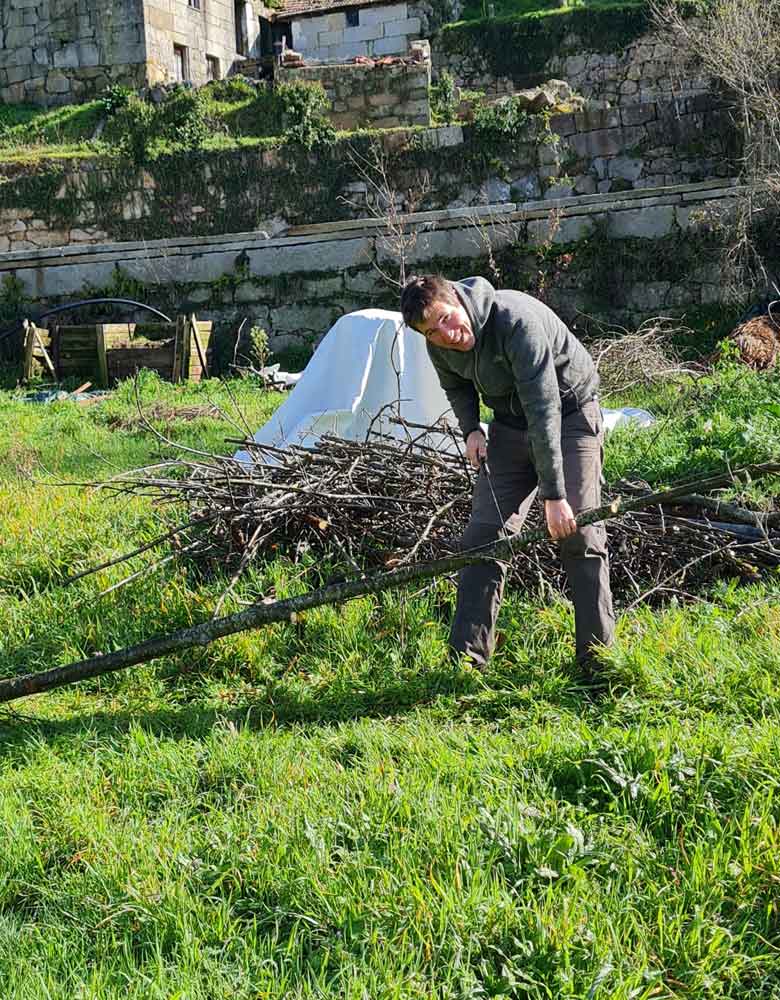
(546, 436)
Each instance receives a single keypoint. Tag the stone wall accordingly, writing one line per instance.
(60, 51)
(296, 286)
(647, 69)
(381, 31)
(638, 146)
(372, 96)
(646, 146)
(202, 28)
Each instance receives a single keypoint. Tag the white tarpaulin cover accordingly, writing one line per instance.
(351, 377)
(359, 368)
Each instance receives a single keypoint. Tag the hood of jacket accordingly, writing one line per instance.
(478, 297)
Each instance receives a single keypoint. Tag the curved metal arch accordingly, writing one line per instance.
(88, 302)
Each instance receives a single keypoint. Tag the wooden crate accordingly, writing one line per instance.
(110, 351)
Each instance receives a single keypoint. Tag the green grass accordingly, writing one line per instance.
(328, 809)
(474, 9)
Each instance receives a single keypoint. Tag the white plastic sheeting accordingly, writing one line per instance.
(366, 362)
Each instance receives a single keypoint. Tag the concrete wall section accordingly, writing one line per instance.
(60, 51)
(381, 31)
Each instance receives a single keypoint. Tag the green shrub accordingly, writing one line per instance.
(183, 119)
(501, 120)
(115, 98)
(259, 351)
(231, 90)
(444, 98)
(304, 108)
(133, 129)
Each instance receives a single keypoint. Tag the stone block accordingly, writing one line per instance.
(57, 83)
(526, 188)
(365, 282)
(387, 121)
(585, 184)
(329, 38)
(467, 243)
(450, 135)
(362, 33)
(575, 65)
(559, 191)
(322, 288)
(590, 121)
(18, 74)
(35, 85)
(198, 296)
(627, 168)
(302, 319)
(248, 292)
(16, 57)
(89, 54)
(606, 142)
(649, 296)
(390, 46)
(638, 114)
(19, 36)
(648, 223)
(380, 15)
(495, 191)
(409, 26)
(569, 229)
(344, 52)
(563, 124)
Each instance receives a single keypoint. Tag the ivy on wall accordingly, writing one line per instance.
(198, 193)
(519, 47)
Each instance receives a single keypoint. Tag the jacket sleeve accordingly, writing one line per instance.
(536, 383)
(461, 395)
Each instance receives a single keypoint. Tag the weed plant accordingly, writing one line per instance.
(328, 808)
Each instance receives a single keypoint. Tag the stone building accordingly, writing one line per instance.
(333, 31)
(60, 51)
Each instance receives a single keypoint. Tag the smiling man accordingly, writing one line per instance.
(546, 436)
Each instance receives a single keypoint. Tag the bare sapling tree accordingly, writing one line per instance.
(737, 43)
(389, 206)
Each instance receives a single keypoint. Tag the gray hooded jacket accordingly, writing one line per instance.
(527, 366)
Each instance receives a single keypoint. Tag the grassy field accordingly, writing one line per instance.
(328, 809)
(520, 8)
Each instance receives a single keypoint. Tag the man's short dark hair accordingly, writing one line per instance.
(420, 292)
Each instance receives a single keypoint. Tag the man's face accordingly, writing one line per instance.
(447, 325)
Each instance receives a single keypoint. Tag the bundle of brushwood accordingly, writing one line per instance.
(357, 506)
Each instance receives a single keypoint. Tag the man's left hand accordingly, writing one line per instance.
(560, 519)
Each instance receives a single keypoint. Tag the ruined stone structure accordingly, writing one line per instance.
(60, 51)
(371, 96)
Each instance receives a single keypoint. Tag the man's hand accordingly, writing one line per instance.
(476, 448)
(560, 519)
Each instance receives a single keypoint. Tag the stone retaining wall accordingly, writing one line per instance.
(644, 146)
(647, 70)
(372, 96)
(54, 53)
(296, 286)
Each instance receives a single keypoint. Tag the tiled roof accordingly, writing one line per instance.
(302, 8)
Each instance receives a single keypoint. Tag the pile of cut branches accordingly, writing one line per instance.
(361, 505)
(648, 355)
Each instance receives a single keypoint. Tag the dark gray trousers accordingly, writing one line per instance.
(505, 507)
